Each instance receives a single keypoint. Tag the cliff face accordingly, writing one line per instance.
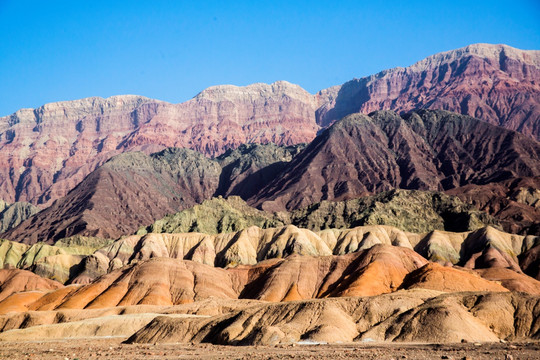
(495, 83)
(46, 152)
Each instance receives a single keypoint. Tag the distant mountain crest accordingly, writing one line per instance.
(47, 151)
(487, 51)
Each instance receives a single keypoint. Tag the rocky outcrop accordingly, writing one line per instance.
(99, 327)
(12, 215)
(530, 261)
(408, 210)
(214, 216)
(160, 281)
(49, 150)
(426, 150)
(378, 291)
(59, 262)
(515, 202)
(433, 211)
(480, 249)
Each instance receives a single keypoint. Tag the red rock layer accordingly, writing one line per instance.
(515, 202)
(496, 83)
(425, 150)
(47, 151)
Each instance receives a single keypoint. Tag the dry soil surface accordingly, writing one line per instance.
(112, 348)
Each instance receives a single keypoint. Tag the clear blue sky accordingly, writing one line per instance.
(171, 50)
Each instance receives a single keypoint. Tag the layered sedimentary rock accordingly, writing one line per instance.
(480, 249)
(426, 150)
(15, 280)
(58, 262)
(214, 216)
(250, 167)
(420, 316)
(433, 211)
(405, 316)
(530, 261)
(52, 148)
(165, 281)
(135, 189)
(408, 210)
(378, 289)
(47, 151)
(129, 190)
(495, 83)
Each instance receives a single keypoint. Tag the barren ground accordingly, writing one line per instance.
(112, 348)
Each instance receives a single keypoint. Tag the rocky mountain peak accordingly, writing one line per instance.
(256, 92)
(494, 52)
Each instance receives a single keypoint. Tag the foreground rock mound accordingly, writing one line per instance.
(436, 277)
(378, 270)
(20, 287)
(480, 249)
(160, 281)
(419, 316)
(165, 281)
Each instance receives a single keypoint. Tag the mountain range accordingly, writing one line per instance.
(402, 206)
(47, 151)
(357, 156)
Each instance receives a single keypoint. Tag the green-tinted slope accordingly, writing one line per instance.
(214, 216)
(50, 261)
(12, 215)
(408, 210)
